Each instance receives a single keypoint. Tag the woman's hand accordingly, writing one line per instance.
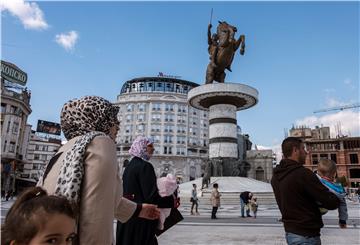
(149, 211)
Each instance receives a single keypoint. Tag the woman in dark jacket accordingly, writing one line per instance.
(139, 183)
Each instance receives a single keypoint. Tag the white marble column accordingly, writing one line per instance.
(222, 131)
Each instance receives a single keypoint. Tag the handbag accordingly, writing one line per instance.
(191, 199)
(174, 218)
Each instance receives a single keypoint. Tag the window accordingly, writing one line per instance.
(15, 128)
(156, 106)
(3, 108)
(13, 109)
(182, 108)
(180, 151)
(181, 129)
(181, 119)
(168, 150)
(4, 148)
(129, 118)
(141, 87)
(354, 158)
(333, 157)
(169, 118)
(181, 139)
(169, 107)
(155, 128)
(314, 159)
(140, 128)
(12, 147)
(141, 117)
(168, 128)
(130, 107)
(354, 173)
(8, 127)
(323, 156)
(36, 156)
(156, 138)
(169, 87)
(159, 86)
(128, 129)
(128, 139)
(156, 117)
(141, 107)
(167, 139)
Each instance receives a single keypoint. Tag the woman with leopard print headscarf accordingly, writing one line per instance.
(139, 182)
(85, 170)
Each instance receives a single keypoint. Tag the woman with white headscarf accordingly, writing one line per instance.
(85, 170)
(139, 184)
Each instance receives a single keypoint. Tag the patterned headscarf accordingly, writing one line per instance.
(138, 147)
(87, 114)
(88, 117)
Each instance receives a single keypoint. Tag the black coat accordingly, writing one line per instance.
(245, 196)
(139, 184)
(299, 193)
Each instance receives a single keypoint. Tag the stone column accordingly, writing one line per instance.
(222, 131)
(223, 100)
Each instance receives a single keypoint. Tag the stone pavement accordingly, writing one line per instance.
(231, 229)
(266, 229)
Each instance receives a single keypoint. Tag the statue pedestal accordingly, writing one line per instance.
(223, 100)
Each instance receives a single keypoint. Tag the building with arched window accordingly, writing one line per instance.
(261, 162)
(157, 107)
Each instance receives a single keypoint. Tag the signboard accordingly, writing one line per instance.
(48, 127)
(12, 73)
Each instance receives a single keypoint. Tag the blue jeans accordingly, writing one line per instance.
(294, 239)
(242, 206)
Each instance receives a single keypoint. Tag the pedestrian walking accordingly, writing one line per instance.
(215, 200)
(298, 191)
(140, 185)
(85, 170)
(194, 200)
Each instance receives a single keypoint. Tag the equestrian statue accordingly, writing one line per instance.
(222, 48)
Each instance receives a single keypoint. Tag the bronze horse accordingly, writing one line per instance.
(224, 46)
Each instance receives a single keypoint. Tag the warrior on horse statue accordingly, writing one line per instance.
(222, 48)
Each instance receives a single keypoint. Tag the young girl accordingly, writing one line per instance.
(254, 206)
(36, 218)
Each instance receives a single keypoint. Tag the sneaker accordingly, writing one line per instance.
(242, 216)
(249, 216)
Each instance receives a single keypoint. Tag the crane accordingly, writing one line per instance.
(340, 108)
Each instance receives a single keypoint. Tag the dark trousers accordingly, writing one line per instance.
(213, 213)
(194, 203)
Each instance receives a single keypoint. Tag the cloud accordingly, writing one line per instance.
(332, 102)
(67, 40)
(29, 14)
(349, 121)
(347, 81)
(275, 148)
(329, 90)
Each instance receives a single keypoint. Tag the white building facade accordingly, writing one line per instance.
(40, 151)
(157, 107)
